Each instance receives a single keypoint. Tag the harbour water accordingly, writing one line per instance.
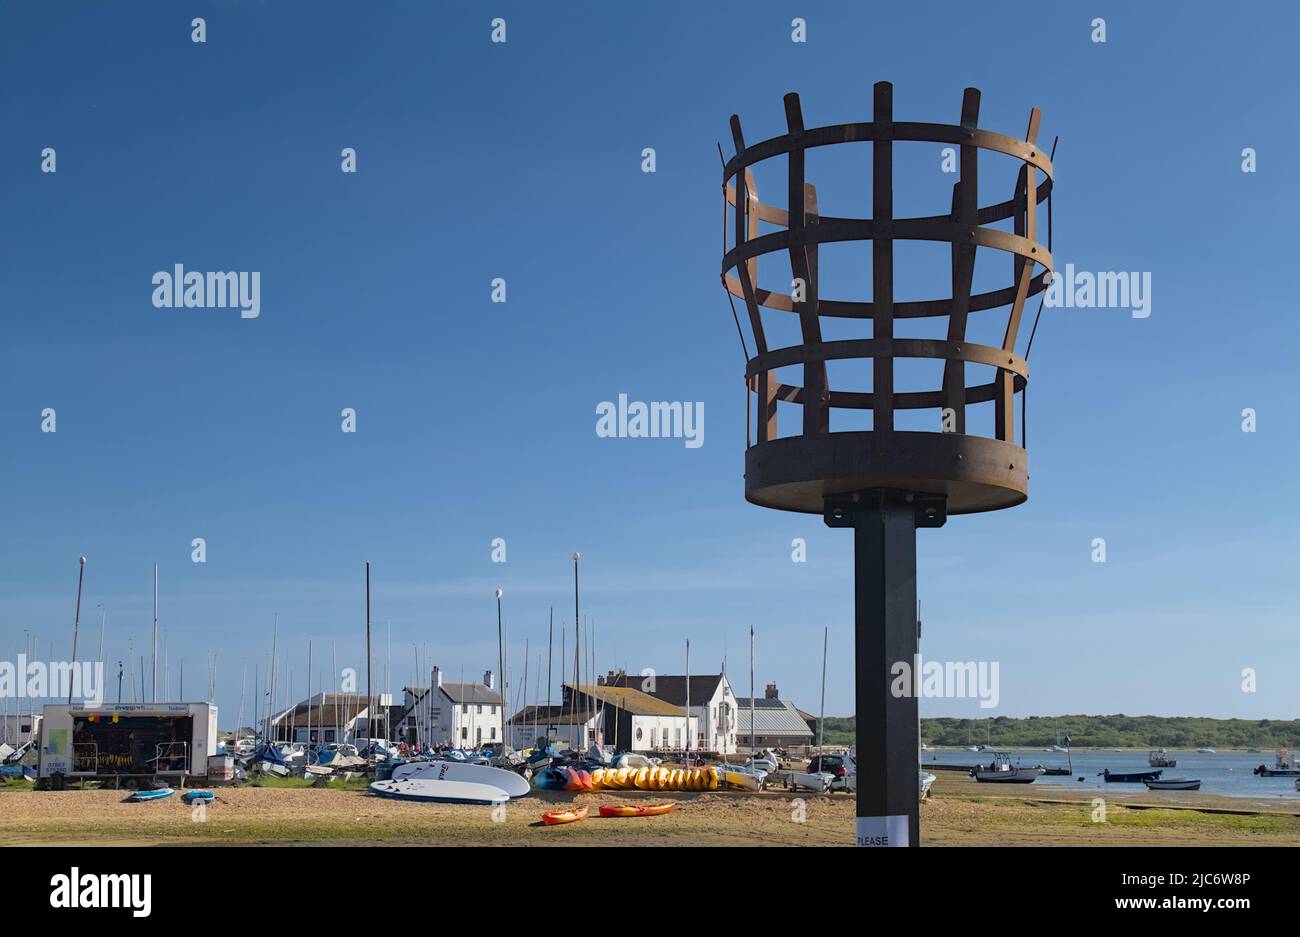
(1228, 774)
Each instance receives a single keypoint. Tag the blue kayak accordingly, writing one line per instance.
(191, 797)
(157, 794)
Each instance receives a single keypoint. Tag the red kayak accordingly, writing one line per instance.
(635, 810)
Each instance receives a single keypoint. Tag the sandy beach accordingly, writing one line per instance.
(959, 813)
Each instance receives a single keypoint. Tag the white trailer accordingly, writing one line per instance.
(129, 740)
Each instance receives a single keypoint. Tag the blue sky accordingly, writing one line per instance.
(477, 420)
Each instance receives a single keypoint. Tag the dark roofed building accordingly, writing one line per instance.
(777, 723)
(712, 702)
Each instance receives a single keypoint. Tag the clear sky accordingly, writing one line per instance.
(476, 420)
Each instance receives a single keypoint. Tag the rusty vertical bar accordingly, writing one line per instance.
(882, 254)
(965, 212)
(1025, 219)
(802, 290)
(747, 274)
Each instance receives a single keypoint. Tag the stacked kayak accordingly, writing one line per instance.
(655, 779)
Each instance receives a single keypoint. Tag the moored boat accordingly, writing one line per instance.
(1130, 777)
(1001, 771)
(1174, 784)
(1284, 766)
(1159, 758)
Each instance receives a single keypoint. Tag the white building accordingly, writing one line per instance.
(632, 721)
(712, 704)
(462, 715)
(559, 726)
(327, 718)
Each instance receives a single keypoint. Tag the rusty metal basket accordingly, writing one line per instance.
(972, 472)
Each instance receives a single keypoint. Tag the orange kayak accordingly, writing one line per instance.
(635, 810)
(571, 815)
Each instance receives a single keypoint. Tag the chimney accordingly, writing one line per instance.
(487, 679)
(770, 692)
(435, 678)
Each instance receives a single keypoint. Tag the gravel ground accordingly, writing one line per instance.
(960, 813)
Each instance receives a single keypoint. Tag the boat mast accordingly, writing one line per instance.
(550, 643)
(153, 663)
(76, 622)
(370, 703)
(577, 637)
(688, 701)
(501, 660)
(752, 741)
(821, 720)
(270, 703)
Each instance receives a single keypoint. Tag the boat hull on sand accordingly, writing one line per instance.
(440, 792)
(513, 784)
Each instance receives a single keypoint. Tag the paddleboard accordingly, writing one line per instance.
(512, 784)
(442, 792)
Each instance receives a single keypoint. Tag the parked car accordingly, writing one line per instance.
(841, 767)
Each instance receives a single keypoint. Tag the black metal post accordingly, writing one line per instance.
(884, 523)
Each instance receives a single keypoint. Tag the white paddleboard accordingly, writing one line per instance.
(512, 784)
(443, 792)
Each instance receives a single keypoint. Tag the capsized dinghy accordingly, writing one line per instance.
(510, 782)
(441, 792)
(191, 797)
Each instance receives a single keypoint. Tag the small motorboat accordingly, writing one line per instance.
(571, 815)
(1284, 766)
(635, 810)
(819, 782)
(744, 777)
(1130, 777)
(1159, 758)
(1206, 751)
(1174, 784)
(1001, 771)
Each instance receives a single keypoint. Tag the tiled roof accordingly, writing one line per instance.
(633, 701)
(671, 688)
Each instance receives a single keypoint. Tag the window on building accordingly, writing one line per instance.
(494, 734)
(464, 708)
(480, 709)
(464, 732)
(638, 733)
